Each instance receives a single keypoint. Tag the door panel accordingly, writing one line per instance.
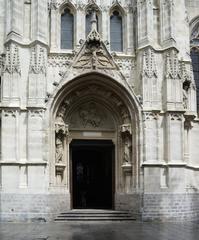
(92, 176)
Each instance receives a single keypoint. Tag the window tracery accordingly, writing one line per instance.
(67, 29)
(116, 31)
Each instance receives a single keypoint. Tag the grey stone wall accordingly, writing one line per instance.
(129, 202)
(32, 207)
(165, 207)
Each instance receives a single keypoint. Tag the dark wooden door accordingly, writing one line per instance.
(92, 174)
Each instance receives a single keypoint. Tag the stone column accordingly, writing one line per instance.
(55, 26)
(80, 28)
(2, 24)
(130, 24)
(145, 22)
(167, 23)
(151, 137)
(39, 20)
(14, 23)
(10, 135)
(175, 138)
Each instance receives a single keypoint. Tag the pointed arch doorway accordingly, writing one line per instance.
(95, 124)
(92, 173)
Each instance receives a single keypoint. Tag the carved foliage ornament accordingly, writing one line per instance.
(149, 63)
(172, 65)
(12, 62)
(38, 60)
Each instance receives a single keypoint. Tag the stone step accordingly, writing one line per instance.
(95, 215)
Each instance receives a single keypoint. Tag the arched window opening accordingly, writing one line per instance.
(195, 64)
(88, 22)
(67, 29)
(116, 32)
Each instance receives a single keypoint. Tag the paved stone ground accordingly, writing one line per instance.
(99, 231)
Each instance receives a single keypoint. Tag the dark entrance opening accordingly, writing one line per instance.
(92, 174)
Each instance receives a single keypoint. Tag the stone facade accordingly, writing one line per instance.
(137, 98)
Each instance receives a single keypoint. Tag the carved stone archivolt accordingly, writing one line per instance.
(93, 109)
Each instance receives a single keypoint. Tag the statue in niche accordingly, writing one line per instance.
(125, 115)
(186, 86)
(59, 150)
(127, 149)
(60, 118)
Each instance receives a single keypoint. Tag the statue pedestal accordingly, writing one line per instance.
(59, 172)
(127, 169)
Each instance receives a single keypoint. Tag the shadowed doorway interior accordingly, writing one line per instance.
(92, 174)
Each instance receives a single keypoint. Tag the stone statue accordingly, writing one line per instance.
(186, 86)
(127, 149)
(59, 151)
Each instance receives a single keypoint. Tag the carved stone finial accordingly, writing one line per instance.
(93, 21)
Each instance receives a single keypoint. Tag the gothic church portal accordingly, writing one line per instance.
(99, 108)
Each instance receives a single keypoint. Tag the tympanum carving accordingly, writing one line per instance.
(90, 115)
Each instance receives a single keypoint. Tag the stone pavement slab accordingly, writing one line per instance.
(99, 231)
